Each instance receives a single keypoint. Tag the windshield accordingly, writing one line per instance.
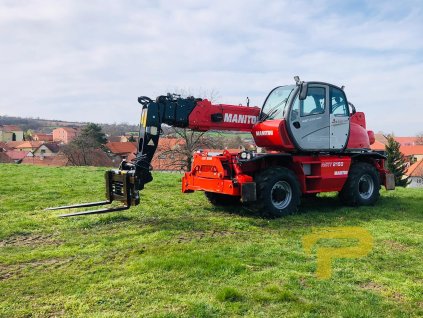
(276, 102)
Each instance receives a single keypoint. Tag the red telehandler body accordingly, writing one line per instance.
(314, 142)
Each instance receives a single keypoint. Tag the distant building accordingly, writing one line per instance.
(415, 173)
(16, 155)
(42, 137)
(11, 133)
(121, 150)
(45, 150)
(4, 158)
(28, 146)
(412, 153)
(65, 134)
(168, 156)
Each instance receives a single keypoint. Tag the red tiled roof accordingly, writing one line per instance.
(45, 161)
(4, 146)
(4, 158)
(378, 146)
(406, 141)
(122, 147)
(416, 169)
(10, 128)
(16, 155)
(170, 143)
(43, 137)
(412, 150)
(70, 129)
(14, 144)
(30, 144)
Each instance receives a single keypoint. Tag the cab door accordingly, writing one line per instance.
(339, 119)
(309, 119)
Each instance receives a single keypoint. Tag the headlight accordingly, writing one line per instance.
(246, 155)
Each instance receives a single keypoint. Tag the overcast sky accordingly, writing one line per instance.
(90, 60)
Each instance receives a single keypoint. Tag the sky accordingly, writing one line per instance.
(90, 60)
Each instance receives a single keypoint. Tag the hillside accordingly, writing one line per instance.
(175, 255)
(47, 125)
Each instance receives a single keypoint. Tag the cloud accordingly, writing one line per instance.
(78, 60)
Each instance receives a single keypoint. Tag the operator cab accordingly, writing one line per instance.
(316, 114)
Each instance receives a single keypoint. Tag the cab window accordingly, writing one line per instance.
(338, 102)
(314, 103)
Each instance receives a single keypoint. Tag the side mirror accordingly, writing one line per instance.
(303, 91)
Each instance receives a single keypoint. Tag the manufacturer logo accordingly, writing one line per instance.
(341, 173)
(239, 119)
(264, 133)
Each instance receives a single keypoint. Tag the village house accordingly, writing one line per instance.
(65, 134)
(45, 150)
(412, 153)
(42, 137)
(167, 156)
(415, 173)
(121, 150)
(11, 133)
(4, 158)
(16, 155)
(3, 146)
(28, 146)
(58, 160)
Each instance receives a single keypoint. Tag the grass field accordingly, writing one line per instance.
(175, 255)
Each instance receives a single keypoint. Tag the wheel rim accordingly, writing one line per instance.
(366, 186)
(281, 194)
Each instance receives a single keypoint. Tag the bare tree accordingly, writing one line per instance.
(177, 154)
(419, 139)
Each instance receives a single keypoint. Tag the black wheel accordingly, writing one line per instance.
(220, 199)
(278, 192)
(362, 186)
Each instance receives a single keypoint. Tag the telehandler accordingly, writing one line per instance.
(314, 140)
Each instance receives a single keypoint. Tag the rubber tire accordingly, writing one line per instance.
(264, 184)
(350, 193)
(219, 199)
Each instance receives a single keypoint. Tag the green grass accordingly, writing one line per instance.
(175, 255)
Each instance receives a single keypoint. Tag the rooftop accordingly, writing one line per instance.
(10, 128)
(416, 169)
(122, 147)
(30, 144)
(16, 154)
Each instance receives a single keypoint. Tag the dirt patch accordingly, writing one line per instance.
(396, 246)
(393, 295)
(8, 271)
(200, 235)
(30, 240)
(303, 282)
(373, 286)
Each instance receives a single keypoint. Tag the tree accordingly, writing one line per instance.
(92, 134)
(28, 135)
(132, 138)
(419, 137)
(396, 162)
(85, 149)
(178, 154)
